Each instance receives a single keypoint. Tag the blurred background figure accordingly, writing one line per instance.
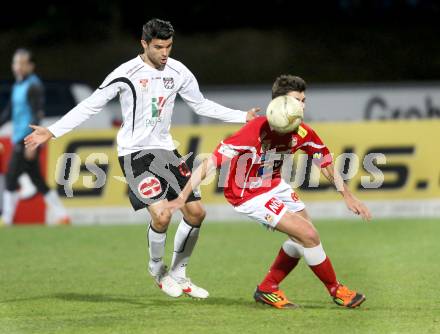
(26, 106)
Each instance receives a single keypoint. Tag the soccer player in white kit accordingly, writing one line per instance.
(147, 87)
(252, 159)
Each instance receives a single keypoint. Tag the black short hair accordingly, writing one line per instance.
(156, 28)
(25, 52)
(286, 83)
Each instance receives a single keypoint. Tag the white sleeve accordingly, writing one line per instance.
(191, 94)
(87, 108)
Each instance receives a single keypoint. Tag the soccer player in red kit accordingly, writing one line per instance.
(255, 188)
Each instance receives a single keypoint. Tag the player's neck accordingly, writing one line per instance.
(147, 61)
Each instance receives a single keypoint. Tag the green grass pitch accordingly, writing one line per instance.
(94, 280)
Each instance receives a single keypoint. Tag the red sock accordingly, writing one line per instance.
(325, 272)
(280, 268)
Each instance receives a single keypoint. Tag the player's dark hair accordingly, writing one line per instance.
(25, 52)
(156, 28)
(286, 83)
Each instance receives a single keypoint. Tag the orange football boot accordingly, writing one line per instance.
(348, 298)
(275, 299)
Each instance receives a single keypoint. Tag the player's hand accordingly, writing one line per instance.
(39, 136)
(175, 204)
(251, 114)
(357, 207)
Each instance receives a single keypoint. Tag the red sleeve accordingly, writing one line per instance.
(244, 140)
(315, 147)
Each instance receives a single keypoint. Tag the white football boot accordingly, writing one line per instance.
(166, 283)
(192, 290)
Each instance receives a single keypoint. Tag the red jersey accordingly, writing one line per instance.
(255, 154)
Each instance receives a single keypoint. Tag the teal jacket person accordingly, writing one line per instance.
(25, 107)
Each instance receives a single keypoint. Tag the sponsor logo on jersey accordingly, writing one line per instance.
(268, 217)
(295, 197)
(317, 155)
(274, 205)
(153, 122)
(184, 169)
(168, 83)
(157, 104)
(149, 187)
(302, 132)
(143, 82)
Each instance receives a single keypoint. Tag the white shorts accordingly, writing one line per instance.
(268, 208)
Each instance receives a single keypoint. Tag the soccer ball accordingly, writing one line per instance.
(284, 114)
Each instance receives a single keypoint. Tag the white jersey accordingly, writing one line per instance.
(147, 98)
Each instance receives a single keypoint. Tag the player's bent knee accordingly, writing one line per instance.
(196, 217)
(310, 237)
(160, 222)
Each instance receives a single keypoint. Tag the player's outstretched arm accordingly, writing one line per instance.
(350, 200)
(205, 168)
(39, 136)
(190, 93)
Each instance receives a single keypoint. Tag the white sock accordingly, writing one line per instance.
(52, 200)
(314, 255)
(10, 200)
(293, 249)
(184, 242)
(156, 248)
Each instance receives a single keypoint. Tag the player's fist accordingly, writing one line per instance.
(39, 136)
(251, 114)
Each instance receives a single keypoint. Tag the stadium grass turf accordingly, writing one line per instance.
(94, 280)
